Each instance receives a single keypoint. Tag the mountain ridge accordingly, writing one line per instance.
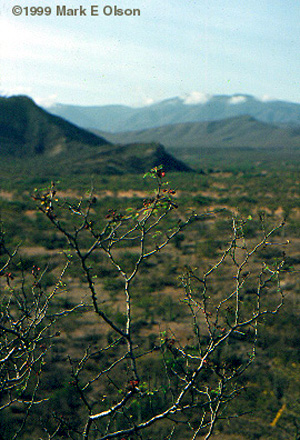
(239, 132)
(29, 133)
(116, 118)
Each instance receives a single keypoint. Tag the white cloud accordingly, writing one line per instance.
(17, 90)
(196, 98)
(266, 98)
(47, 101)
(145, 102)
(238, 99)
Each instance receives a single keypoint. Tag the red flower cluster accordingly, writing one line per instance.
(113, 215)
(133, 384)
(8, 276)
(160, 173)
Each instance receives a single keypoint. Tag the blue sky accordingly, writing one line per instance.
(174, 48)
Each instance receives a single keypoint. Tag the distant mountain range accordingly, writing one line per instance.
(120, 118)
(28, 132)
(238, 132)
(49, 142)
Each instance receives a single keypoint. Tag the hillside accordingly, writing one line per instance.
(117, 118)
(32, 135)
(240, 132)
(26, 129)
(131, 158)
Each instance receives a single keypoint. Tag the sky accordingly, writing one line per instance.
(185, 48)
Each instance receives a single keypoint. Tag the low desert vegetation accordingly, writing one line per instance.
(156, 308)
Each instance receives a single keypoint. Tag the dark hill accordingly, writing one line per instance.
(26, 129)
(130, 158)
(239, 132)
(31, 134)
